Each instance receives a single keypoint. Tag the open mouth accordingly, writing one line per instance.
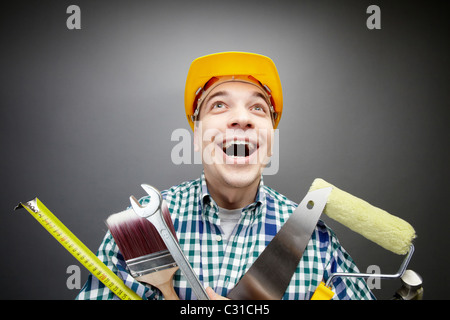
(239, 148)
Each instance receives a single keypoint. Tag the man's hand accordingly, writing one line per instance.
(214, 296)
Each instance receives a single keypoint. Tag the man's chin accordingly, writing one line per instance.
(241, 175)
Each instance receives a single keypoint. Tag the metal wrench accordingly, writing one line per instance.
(152, 212)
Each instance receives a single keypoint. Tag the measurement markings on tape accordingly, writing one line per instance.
(72, 244)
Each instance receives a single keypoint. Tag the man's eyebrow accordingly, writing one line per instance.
(223, 93)
(257, 94)
(217, 94)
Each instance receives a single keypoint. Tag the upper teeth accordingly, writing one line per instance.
(250, 145)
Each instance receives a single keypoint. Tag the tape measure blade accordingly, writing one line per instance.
(72, 244)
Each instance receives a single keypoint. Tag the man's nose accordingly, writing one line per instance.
(240, 119)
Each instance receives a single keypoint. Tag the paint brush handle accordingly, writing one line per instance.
(178, 255)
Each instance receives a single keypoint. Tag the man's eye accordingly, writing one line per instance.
(259, 108)
(218, 105)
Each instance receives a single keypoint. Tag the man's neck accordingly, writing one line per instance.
(231, 197)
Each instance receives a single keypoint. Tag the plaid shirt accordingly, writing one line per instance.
(220, 265)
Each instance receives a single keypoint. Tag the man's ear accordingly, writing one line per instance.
(197, 136)
(272, 141)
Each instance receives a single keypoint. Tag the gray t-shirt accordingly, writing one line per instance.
(228, 221)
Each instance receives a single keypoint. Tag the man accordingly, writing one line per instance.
(226, 218)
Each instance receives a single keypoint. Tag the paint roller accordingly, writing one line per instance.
(375, 224)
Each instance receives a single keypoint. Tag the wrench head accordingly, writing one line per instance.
(152, 207)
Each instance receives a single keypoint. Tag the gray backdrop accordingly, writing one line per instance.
(87, 116)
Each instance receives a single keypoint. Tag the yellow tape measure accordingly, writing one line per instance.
(64, 236)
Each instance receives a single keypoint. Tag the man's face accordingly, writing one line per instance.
(234, 134)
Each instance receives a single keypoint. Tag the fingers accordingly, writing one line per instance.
(214, 296)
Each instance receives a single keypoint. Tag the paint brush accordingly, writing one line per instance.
(154, 211)
(145, 253)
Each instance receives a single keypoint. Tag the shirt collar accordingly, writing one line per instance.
(207, 200)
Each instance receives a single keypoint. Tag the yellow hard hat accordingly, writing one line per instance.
(259, 68)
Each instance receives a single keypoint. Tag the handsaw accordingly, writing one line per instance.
(270, 274)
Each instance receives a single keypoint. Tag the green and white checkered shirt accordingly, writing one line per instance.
(220, 264)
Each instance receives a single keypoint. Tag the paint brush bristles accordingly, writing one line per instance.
(136, 236)
(144, 250)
